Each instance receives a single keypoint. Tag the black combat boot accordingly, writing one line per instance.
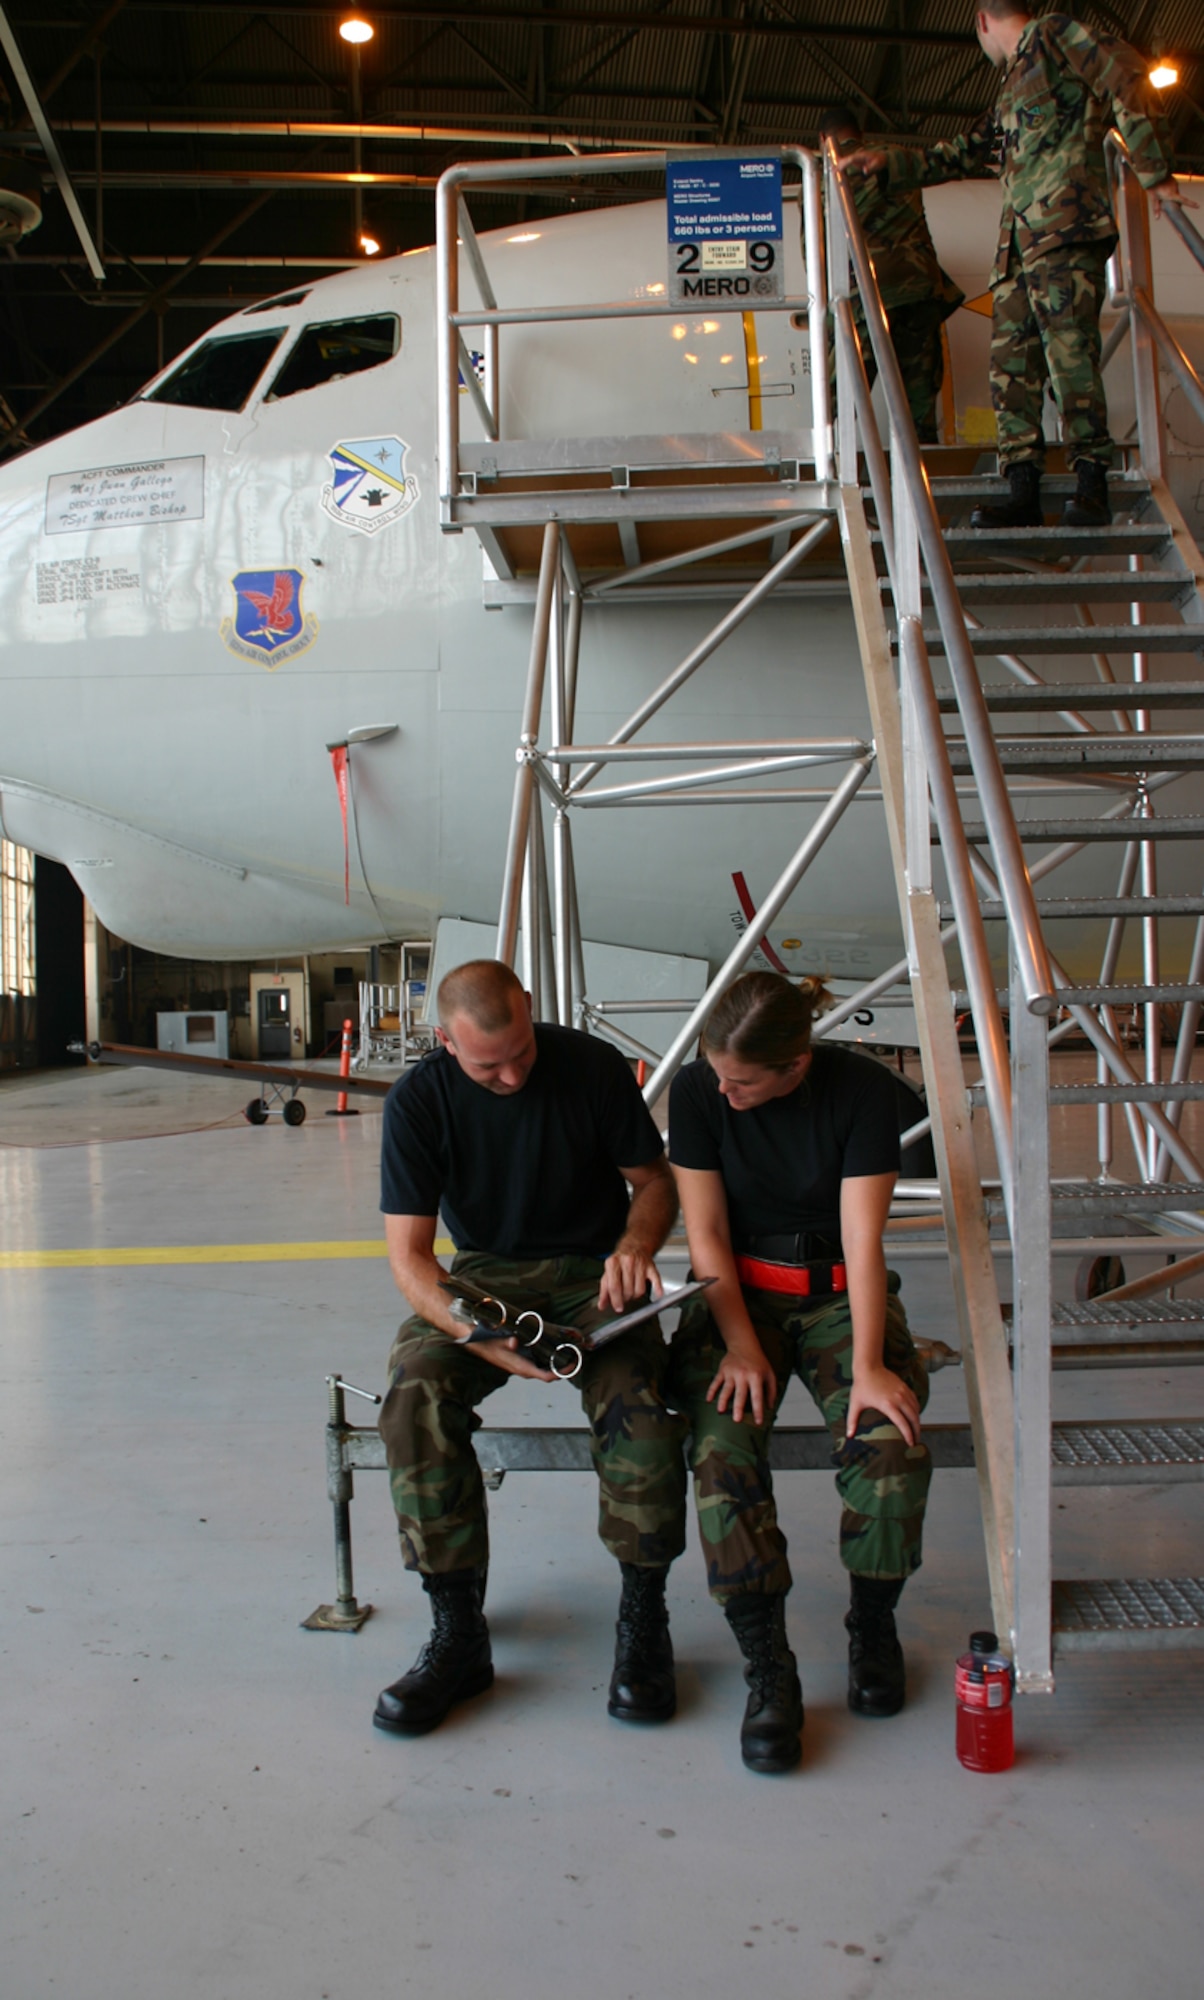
(1023, 507)
(642, 1687)
(876, 1678)
(1088, 505)
(454, 1663)
(773, 1716)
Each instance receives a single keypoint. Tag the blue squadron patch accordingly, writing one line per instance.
(268, 623)
(369, 486)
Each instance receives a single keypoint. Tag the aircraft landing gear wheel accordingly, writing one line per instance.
(256, 1112)
(294, 1112)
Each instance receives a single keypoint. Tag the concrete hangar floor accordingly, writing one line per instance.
(195, 1804)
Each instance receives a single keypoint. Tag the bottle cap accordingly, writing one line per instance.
(983, 1642)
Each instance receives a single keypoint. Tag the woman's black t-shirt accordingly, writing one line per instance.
(535, 1173)
(782, 1163)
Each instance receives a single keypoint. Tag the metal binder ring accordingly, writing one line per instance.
(491, 1312)
(565, 1374)
(538, 1333)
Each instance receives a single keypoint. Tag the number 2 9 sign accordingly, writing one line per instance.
(725, 229)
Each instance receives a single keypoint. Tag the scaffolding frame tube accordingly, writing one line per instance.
(743, 950)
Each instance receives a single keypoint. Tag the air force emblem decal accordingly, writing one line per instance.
(268, 623)
(369, 486)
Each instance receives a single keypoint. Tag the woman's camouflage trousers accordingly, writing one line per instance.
(429, 1416)
(882, 1480)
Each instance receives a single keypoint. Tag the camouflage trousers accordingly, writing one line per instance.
(915, 331)
(882, 1480)
(429, 1416)
(1045, 328)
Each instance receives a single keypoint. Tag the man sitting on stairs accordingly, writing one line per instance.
(1044, 139)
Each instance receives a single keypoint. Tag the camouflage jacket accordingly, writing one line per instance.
(896, 234)
(1045, 139)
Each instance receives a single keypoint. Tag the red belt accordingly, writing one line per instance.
(803, 1280)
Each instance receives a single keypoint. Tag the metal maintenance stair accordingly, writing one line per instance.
(1050, 681)
(1055, 612)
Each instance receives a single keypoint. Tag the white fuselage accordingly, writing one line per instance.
(155, 743)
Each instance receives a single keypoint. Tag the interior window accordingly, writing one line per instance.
(340, 347)
(221, 374)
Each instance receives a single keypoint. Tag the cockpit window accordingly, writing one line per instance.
(221, 374)
(340, 347)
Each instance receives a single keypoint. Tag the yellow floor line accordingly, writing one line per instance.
(199, 1253)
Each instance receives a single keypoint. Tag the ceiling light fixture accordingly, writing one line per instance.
(369, 245)
(1163, 75)
(356, 30)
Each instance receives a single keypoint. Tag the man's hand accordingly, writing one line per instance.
(744, 1380)
(629, 1270)
(1170, 191)
(882, 1390)
(864, 161)
(626, 1276)
(505, 1354)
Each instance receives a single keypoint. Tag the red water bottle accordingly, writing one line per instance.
(985, 1679)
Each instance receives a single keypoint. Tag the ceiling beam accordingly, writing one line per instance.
(159, 296)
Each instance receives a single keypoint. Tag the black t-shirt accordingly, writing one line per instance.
(782, 1163)
(533, 1174)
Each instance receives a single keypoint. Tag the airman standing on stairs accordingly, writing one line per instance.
(917, 294)
(1044, 139)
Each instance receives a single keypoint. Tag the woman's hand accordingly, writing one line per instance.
(744, 1380)
(880, 1389)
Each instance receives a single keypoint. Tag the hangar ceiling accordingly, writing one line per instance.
(212, 144)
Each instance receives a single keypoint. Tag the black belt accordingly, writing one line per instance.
(802, 1246)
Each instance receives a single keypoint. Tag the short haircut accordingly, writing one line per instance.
(1004, 10)
(833, 123)
(763, 1019)
(484, 990)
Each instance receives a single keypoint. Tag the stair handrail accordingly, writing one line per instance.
(1187, 230)
(1036, 977)
(1136, 290)
(916, 668)
(454, 233)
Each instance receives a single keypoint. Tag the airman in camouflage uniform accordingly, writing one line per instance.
(917, 294)
(1061, 87)
(525, 1137)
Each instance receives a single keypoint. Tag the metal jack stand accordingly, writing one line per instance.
(345, 1615)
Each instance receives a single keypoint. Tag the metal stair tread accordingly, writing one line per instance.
(1150, 1353)
(1050, 639)
(1172, 992)
(1124, 695)
(1129, 1312)
(1123, 487)
(1050, 908)
(1108, 1196)
(1064, 586)
(1191, 1092)
(1129, 1447)
(1182, 826)
(1109, 750)
(1097, 1614)
(1148, 537)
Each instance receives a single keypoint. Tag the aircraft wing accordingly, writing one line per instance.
(304, 1079)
